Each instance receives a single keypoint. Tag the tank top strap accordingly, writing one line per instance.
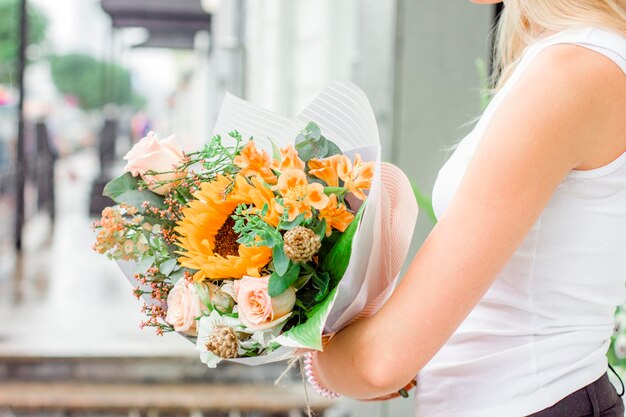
(606, 42)
(603, 41)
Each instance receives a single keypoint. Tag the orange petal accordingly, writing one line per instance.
(326, 170)
(289, 160)
(316, 197)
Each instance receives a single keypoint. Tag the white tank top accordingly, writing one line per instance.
(543, 328)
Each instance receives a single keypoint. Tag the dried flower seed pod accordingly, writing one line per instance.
(301, 244)
(223, 342)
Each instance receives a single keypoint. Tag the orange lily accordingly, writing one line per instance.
(336, 215)
(356, 177)
(327, 169)
(255, 162)
(289, 159)
(298, 195)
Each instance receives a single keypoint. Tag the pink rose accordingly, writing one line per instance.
(257, 310)
(152, 154)
(183, 306)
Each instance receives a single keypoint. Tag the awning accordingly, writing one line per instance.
(171, 23)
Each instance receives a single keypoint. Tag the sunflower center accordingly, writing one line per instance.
(226, 239)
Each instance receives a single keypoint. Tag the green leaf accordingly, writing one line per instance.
(278, 284)
(176, 275)
(327, 244)
(136, 199)
(302, 280)
(336, 262)
(483, 76)
(146, 262)
(424, 202)
(338, 191)
(332, 149)
(168, 266)
(321, 281)
(281, 262)
(311, 144)
(120, 185)
(295, 222)
(312, 130)
(275, 150)
(124, 190)
(309, 333)
(320, 229)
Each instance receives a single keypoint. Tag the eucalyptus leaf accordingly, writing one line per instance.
(168, 266)
(281, 262)
(333, 149)
(176, 275)
(312, 130)
(310, 144)
(310, 150)
(144, 263)
(278, 284)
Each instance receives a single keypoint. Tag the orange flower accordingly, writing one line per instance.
(253, 161)
(207, 239)
(326, 169)
(356, 177)
(289, 159)
(298, 195)
(336, 215)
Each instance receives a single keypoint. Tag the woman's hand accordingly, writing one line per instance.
(560, 115)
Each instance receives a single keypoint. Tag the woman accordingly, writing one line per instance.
(507, 308)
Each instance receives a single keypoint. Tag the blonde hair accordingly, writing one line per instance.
(522, 21)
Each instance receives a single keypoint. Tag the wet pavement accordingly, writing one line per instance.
(59, 298)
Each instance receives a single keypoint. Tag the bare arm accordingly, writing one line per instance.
(560, 116)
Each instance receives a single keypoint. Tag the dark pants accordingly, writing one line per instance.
(598, 399)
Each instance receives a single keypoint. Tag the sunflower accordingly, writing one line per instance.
(206, 236)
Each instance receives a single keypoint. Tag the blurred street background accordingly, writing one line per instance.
(82, 80)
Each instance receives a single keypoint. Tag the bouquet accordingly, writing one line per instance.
(271, 237)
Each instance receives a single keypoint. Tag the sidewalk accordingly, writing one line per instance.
(65, 300)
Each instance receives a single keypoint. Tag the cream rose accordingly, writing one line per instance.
(183, 306)
(257, 310)
(152, 154)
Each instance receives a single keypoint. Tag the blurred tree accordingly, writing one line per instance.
(9, 36)
(82, 77)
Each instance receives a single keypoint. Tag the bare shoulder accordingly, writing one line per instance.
(576, 100)
(577, 73)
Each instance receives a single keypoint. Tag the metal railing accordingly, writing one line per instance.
(37, 170)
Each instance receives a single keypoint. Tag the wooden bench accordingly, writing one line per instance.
(133, 399)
